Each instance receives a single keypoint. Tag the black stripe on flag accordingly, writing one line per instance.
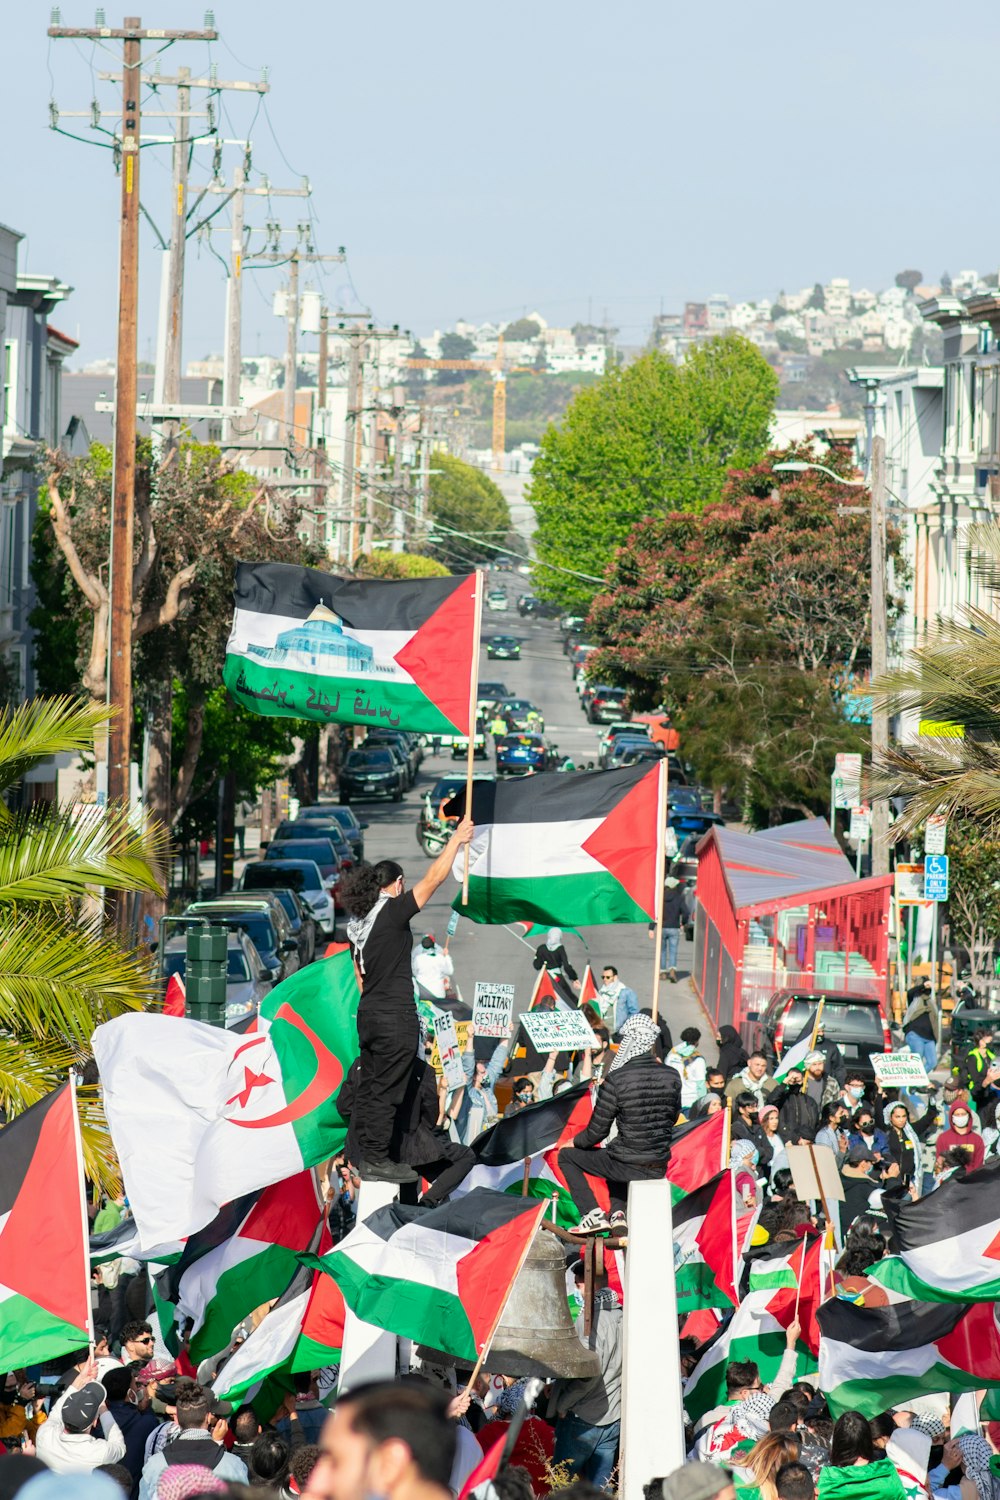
(535, 1128)
(548, 799)
(471, 1217)
(18, 1144)
(697, 1204)
(222, 1228)
(365, 603)
(969, 1200)
(899, 1325)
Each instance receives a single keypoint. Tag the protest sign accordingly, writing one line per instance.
(492, 1008)
(899, 1070)
(446, 1038)
(558, 1030)
(814, 1173)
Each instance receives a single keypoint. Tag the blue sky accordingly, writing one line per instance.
(563, 155)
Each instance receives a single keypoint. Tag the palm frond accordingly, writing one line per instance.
(49, 855)
(59, 979)
(28, 1073)
(955, 676)
(42, 727)
(953, 777)
(983, 542)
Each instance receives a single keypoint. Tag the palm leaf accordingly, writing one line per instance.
(49, 855)
(59, 979)
(43, 727)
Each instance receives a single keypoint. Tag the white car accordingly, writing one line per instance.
(497, 601)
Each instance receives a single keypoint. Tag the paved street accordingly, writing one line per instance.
(495, 953)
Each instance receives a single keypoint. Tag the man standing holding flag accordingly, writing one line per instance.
(388, 1031)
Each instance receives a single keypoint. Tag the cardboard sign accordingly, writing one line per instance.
(558, 1030)
(492, 1008)
(899, 1070)
(462, 1031)
(814, 1173)
(446, 1037)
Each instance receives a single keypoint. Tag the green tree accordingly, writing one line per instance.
(522, 329)
(646, 439)
(817, 298)
(399, 565)
(61, 974)
(974, 890)
(465, 500)
(454, 346)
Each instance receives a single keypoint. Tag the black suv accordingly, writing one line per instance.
(855, 1022)
(370, 774)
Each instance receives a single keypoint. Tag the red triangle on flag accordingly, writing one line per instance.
(175, 999)
(588, 988)
(544, 990)
(439, 656)
(992, 1251)
(626, 842)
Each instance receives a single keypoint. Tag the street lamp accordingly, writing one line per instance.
(796, 466)
(880, 625)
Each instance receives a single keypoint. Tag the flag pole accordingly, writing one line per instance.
(661, 856)
(727, 1135)
(78, 1146)
(477, 626)
(542, 1210)
(816, 1025)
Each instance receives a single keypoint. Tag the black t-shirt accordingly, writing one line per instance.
(387, 976)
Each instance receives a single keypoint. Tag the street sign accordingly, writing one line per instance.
(910, 885)
(847, 767)
(861, 824)
(846, 784)
(844, 794)
(935, 834)
(936, 877)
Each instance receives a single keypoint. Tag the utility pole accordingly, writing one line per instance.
(178, 244)
(131, 35)
(291, 347)
(352, 433)
(233, 362)
(399, 514)
(324, 356)
(880, 653)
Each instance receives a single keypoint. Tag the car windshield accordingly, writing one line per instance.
(256, 923)
(374, 760)
(685, 796)
(301, 877)
(346, 818)
(287, 901)
(492, 690)
(448, 786)
(318, 852)
(516, 705)
(843, 1020)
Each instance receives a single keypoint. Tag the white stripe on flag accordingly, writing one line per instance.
(794, 1057)
(249, 627)
(269, 1346)
(413, 1253)
(522, 851)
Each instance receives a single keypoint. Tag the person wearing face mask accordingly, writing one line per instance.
(523, 1095)
(864, 1132)
(856, 1177)
(960, 1134)
(689, 1065)
(853, 1092)
(904, 1147)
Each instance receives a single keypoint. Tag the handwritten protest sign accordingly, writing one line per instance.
(899, 1070)
(558, 1030)
(492, 1008)
(450, 1053)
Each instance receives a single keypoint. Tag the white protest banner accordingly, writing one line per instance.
(492, 1008)
(899, 1070)
(558, 1030)
(451, 1058)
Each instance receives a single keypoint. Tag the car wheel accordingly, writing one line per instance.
(397, 795)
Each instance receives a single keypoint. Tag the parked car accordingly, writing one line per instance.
(460, 744)
(520, 754)
(606, 705)
(621, 745)
(398, 754)
(516, 710)
(267, 925)
(433, 828)
(303, 875)
(611, 733)
(300, 831)
(370, 774)
(503, 648)
(528, 605)
(321, 851)
(353, 827)
(497, 601)
(300, 918)
(248, 978)
(635, 755)
(568, 623)
(407, 744)
(857, 1023)
(687, 813)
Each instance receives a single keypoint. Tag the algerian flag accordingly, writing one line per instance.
(579, 849)
(949, 1242)
(232, 1113)
(873, 1357)
(438, 1276)
(311, 645)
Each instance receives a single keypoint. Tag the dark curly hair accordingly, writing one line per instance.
(362, 885)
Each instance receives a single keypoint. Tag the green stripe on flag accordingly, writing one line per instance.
(589, 898)
(894, 1274)
(426, 1314)
(275, 690)
(770, 1277)
(30, 1335)
(697, 1287)
(239, 1289)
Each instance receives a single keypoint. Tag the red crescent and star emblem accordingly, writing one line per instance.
(325, 1081)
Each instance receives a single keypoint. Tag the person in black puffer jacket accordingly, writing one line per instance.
(642, 1097)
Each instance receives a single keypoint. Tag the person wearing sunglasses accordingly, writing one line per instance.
(137, 1343)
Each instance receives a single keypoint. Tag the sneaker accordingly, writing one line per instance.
(673, 976)
(380, 1169)
(619, 1223)
(592, 1223)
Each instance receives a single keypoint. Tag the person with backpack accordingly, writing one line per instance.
(689, 1065)
(199, 1441)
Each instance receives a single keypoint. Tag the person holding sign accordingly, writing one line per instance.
(480, 1082)
(388, 1031)
(642, 1099)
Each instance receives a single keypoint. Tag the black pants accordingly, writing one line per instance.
(444, 1175)
(388, 1044)
(578, 1162)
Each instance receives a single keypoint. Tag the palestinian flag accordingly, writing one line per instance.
(703, 1246)
(304, 1330)
(44, 1271)
(588, 993)
(246, 1256)
(696, 1153)
(949, 1242)
(794, 1276)
(555, 848)
(548, 988)
(875, 1356)
(536, 1133)
(753, 1333)
(438, 1276)
(234, 1113)
(309, 645)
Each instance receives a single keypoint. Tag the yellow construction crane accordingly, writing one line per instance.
(499, 373)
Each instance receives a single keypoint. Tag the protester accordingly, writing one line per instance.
(480, 1101)
(137, 1342)
(673, 919)
(820, 1085)
(134, 1424)
(794, 1482)
(715, 1082)
(854, 1471)
(744, 1117)
(752, 1079)
(830, 1134)
(766, 1137)
(904, 1146)
(864, 1132)
(689, 1065)
(616, 1000)
(199, 1441)
(766, 1458)
(697, 1481)
(960, 1135)
(856, 1179)
(743, 1158)
(641, 1098)
(920, 1024)
(909, 1450)
(67, 1443)
(391, 1440)
(379, 933)
(798, 1112)
(432, 968)
(732, 1053)
(551, 957)
(588, 1429)
(745, 1412)
(853, 1093)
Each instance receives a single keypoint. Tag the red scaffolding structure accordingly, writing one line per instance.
(783, 909)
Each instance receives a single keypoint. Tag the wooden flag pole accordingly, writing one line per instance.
(542, 1209)
(816, 1025)
(78, 1143)
(477, 628)
(661, 872)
